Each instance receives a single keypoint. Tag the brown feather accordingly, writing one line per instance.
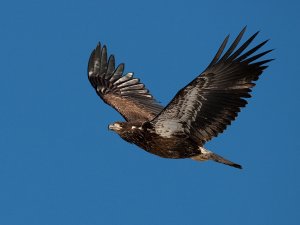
(131, 110)
(123, 92)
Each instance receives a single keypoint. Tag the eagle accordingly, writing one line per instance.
(197, 113)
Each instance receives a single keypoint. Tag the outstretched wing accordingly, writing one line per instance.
(123, 92)
(211, 101)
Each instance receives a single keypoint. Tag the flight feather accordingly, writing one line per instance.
(121, 91)
(208, 104)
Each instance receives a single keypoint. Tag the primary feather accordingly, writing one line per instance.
(213, 99)
(123, 92)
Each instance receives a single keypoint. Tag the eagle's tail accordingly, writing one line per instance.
(208, 155)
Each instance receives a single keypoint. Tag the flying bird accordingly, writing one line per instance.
(198, 112)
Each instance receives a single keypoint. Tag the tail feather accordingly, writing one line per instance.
(208, 155)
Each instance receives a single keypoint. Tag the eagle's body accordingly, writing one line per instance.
(199, 111)
(144, 136)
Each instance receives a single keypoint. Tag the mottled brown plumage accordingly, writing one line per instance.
(123, 92)
(198, 112)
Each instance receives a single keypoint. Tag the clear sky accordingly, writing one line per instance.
(60, 165)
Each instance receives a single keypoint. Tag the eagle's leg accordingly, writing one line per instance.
(208, 155)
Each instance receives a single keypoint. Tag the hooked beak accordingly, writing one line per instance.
(114, 127)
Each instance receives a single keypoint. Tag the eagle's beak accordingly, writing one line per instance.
(114, 126)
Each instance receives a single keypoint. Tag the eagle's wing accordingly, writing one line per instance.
(204, 107)
(123, 92)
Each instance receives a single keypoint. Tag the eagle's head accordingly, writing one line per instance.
(117, 127)
(124, 127)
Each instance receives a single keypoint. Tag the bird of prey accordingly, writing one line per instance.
(198, 112)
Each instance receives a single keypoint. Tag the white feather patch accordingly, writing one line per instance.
(169, 128)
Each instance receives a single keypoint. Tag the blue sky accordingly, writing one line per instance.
(60, 165)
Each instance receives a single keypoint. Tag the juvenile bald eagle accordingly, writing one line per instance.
(198, 112)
